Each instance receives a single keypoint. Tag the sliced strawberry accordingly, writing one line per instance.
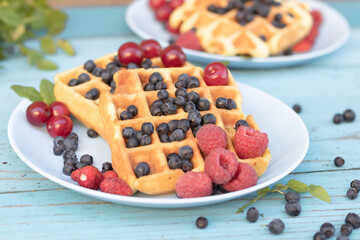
(317, 17)
(313, 34)
(189, 40)
(302, 46)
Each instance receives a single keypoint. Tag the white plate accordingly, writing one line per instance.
(34, 146)
(334, 32)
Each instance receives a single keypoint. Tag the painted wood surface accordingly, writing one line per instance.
(34, 207)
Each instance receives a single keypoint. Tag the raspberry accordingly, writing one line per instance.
(221, 165)
(250, 143)
(245, 177)
(90, 177)
(110, 174)
(210, 137)
(303, 46)
(75, 175)
(317, 17)
(115, 186)
(193, 184)
(189, 40)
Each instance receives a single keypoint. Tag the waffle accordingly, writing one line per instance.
(222, 34)
(85, 110)
(162, 179)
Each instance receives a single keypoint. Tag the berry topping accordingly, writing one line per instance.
(203, 104)
(164, 138)
(250, 143)
(193, 82)
(244, 177)
(38, 113)
(162, 13)
(157, 3)
(59, 126)
(155, 78)
(208, 119)
(160, 85)
(128, 132)
(276, 226)
(130, 52)
(163, 94)
(149, 87)
(97, 71)
(319, 236)
(75, 175)
(173, 56)
(210, 137)
(89, 65)
(132, 109)
(163, 128)
(184, 125)
(87, 159)
(181, 92)
(142, 169)
(193, 184)
(355, 184)
(221, 165)
(328, 229)
(352, 193)
(353, 219)
(241, 122)
(68, 169)
(59, 108)
(90, 177)
(293, 208)
(189, 40)
(186, 165)
(83, 77)
(176, 3)
(174, 162)
(126, 115)
(201, 222)
(231, 104)
(115, 186)
(177, 135)
(346, 229)
(193, 96)
(110, 174)
(150, 48)
(106, 166)
(221, 102)
(252, 214)
(186, 152)
(93, 94)
(215, 74)
(147, 128)
(132, 142)
(73, 82)
(194, 117)
(145, 140)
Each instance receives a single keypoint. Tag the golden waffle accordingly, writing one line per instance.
(222, 34)
(162, 179)
(86, 110)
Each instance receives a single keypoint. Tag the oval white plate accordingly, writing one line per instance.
(334, 33)
(34, 146)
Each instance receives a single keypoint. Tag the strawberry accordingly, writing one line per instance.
(302, 46)
(189, 40)
(317, 17)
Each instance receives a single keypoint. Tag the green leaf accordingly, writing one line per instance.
(66, 47)
(264, 191)
(45, 64)
(298, 186)
(10, 17)
(56, 22)
(226, 63)
(320, 193)
(48, 45)
(38, 20)
(33, 55)
(47, 91)
(18, 32)
(281, 187)
(29, 92)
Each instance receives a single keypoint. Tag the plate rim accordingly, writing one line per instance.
(236, 60)
(158, 202)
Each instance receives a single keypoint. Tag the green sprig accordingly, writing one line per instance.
(46, 93)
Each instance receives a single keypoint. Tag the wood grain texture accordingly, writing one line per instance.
(36, 208)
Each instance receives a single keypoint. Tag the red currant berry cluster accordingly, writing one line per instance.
(163, 8)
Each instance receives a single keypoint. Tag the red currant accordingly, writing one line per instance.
(59, 108)
(130, 52)
(157, 3)
(163, 13)
(215, 74)
(60, 125)
(38, 113)
(150, 48)
(176, 3)
(173, 56)
(171, 29)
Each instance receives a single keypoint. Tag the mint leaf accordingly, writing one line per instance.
(18, 32)
(45, 64)
(66, 47)
(55, 22)
(298, 186)
(281, 187)
(48, 45)
(10, 17)
(47, 91)
(320, 193)
(29, 92)
(33, 55)
(264, 191)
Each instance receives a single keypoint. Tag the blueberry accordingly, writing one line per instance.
(155, 77)
(338, 118)
(68, 169)
(106, 77)
(113, 85)
(92, 133)
(201, 222)
(212, 8)
(186, 165)
(169, 109)
(208, 118)
(132, 142)
(59, 141)
(146, 63)
(355, 184)
(297, 108)
(231, 104)
(93, 94)
(73, 82)
(319, 236)
(353, 219)
(139, 134)
(346, 229)
(293, 208)
(80, 165)
(252, 214)
(164, 138)
(193, 96)
(156, 111)
(70, 144)
(142, 169)
(163, 128)
(173, 124)
(106, 166)
(193, 82)
(87, 159)
(71, 161)
(58, 150)
(276, 226)
(114, 70)
(203, 104)
(215, 189)
(73, 136)
(89, 65)
(69, 154)
(189, 106)
(342, 237)
(163, 94)
(184, 125)
(183, 77)
(132, 66)
(181, 84)
(349, 115)
(145, 140)
(160, 85)
(180, 101)
(278, 24)
(292, 196)
(288, 52)
(278, 17)
(241, 122)
(174, 163)
(328, 229)
(177, 135)
(194, 117)
(352, 193)
(147, 128)
(116, 60)
(111, 65)
(126, 115)
(262, 37)
(97, 71)
(132, 109)
(222, 189)
(149, 87)
(195, 129)
(157, 103)
(186, 152)
(221, 102)
(170, 100)
(128, 132)
(339, 161)
(181, 92)
(83, 77)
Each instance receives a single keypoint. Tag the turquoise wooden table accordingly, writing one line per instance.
(33, 207)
